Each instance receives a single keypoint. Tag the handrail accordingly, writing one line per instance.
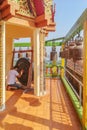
(60, 38)
(74, 77)
(77, 26)
(79, 73)
(79, 96)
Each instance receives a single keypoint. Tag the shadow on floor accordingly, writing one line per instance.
(16, 126)
(32, 101)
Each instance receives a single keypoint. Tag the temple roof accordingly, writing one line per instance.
(40, 11)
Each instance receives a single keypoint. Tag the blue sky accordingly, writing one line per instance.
(67, 13)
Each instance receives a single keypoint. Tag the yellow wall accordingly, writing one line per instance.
(9, 48)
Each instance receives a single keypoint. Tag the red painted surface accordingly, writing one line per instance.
(39, 6)
(1, 1)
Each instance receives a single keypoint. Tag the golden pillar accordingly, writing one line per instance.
(2, 66)
(36, 62)
(85, 76)
(62, 64)
(42, 63)
(39, 81)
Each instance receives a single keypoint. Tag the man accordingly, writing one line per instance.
(11, 78)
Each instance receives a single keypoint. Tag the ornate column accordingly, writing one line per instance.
(42, 63)
(62, 64)
(2, 66)
(39, 81)
(36, 62)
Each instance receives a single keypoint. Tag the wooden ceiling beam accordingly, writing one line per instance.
(41, 24)
(40, 18)
(8, 9)
(3, 5)
(50, 27)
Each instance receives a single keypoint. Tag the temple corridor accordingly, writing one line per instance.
(54, 111)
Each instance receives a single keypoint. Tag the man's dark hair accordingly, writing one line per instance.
(15, 67)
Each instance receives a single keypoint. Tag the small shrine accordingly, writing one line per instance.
(32, 19)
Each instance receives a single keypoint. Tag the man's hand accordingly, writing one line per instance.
(21, 72)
